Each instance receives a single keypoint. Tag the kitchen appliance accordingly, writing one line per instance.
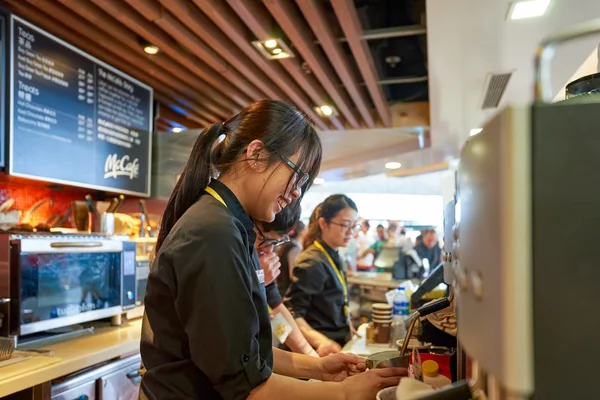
(50, 281)
(524, 266)
(144, 254)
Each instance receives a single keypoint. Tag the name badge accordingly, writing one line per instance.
(261, 276)
(281, 328)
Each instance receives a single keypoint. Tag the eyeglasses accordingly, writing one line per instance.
(268, 242)
(355, 226)
(303, 177)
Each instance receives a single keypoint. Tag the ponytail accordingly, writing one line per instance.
(192, 182)
(314, 230)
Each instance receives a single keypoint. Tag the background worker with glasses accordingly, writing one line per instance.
(318, 294)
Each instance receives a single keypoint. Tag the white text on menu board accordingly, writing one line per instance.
(30, 64)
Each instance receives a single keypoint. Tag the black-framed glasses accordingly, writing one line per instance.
(303, 177)
(355, 226)
(268, 242)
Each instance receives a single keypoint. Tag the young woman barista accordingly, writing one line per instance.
(206, 331)
(270, 236)
(318, 294)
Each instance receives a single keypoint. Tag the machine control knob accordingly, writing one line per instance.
(130, 295)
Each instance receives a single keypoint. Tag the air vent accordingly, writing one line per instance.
(494, 89)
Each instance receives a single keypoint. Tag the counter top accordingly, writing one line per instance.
(75, 354)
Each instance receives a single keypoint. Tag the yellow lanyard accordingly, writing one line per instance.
(337, 273)
(218, 197)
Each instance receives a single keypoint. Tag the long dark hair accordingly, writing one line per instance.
(284, 132)
(327, 210)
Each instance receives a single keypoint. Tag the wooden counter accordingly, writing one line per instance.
(76, 354)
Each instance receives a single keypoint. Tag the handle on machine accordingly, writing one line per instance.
(430, 308)
(545, 52)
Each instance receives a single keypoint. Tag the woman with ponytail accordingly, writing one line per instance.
(318, 294)
(206, 332)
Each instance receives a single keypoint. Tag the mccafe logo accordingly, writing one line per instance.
(116, 166)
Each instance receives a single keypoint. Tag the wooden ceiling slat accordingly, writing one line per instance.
(297, 30)
(205, 30)
(135, 21)
(223, 107)
(260, 23)
(45, 21)
(168, 114)
(223, 17)
(314, 13)
(350, 23)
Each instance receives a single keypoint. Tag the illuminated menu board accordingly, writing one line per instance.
(74, 119)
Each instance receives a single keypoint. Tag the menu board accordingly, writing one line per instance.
(74, 119)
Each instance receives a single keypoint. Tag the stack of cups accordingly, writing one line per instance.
(382, 322)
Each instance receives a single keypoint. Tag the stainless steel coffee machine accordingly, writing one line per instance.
(522, 251)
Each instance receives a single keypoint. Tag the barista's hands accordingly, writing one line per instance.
(367, 384)
(270, 264)
(327, 347)
(337, 367)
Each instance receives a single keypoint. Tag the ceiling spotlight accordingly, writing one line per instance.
(176, 129)
(326, 110)
(151, 49)
(269, 44)
(475, 131)
(528, 9)
(273, 49)
(319, 181)
(393, 165)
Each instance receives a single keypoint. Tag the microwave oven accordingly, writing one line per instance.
(49, 281)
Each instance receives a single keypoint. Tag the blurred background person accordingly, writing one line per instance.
(365, 240)
(318, 294)
(429, 248)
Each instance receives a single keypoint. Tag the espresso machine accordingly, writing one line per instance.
(521, 247)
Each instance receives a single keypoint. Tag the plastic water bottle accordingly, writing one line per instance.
(401, 309)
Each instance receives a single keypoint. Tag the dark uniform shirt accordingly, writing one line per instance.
(206, 332)
(273, 296)
(317, 295)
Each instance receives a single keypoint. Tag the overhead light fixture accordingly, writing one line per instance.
(326, 110)
(151, 49)
(273, 49)
(176, 129)
(527, 9)
(393, 165)
(271, 43)
(475, 131)
(319, 181)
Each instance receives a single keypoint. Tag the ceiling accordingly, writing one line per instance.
(470, 39)
(208, 69)
(366, 58)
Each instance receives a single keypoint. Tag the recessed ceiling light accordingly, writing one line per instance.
(176, 129)
(528, 9)
(151, 49)
(393, 165)
(475, 131)
(269, 44)
(319, 181)
(326, 110)
(273, 49)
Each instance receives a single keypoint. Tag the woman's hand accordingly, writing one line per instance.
(337, 367)
(367, 384)
(328, 347)
(270, 264)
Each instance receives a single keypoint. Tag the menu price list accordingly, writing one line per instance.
(74, 119)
